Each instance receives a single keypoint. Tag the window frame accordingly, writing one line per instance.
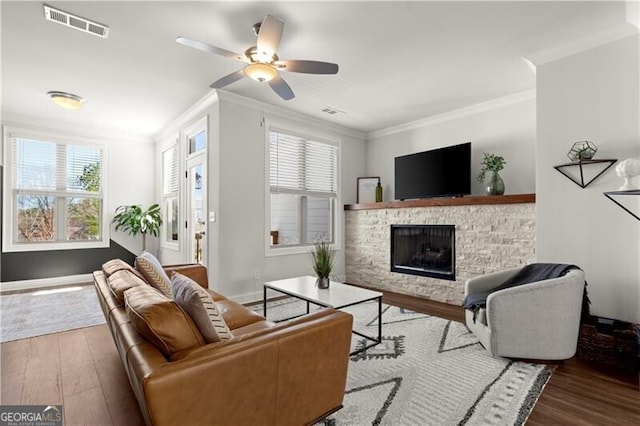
(336, 222)
(9, 206)
(174, 143)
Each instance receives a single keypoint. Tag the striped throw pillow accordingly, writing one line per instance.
(152, 271)
(197, 302)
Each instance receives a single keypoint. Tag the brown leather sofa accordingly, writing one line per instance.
(289, 373)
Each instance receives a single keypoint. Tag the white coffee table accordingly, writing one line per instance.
(337, 296)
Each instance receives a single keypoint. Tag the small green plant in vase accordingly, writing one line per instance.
(492, 163)
(322, 258)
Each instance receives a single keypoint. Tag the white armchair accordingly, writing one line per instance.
(540, 320)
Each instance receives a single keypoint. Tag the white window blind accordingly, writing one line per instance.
(63, 169)
(302, 166)
(170, 170)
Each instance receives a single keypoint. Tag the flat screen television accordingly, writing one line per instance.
(442, 172)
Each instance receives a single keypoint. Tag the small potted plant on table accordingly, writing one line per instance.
(322, 261)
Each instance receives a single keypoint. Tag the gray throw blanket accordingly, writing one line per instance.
(527, 275)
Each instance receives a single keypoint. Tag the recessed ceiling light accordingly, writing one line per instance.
(67, 100)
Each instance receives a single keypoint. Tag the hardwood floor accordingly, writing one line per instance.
(81, 370)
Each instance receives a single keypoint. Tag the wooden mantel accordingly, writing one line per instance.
(471, 200)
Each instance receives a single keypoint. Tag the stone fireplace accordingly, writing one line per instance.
(492, 233)
(425, 250)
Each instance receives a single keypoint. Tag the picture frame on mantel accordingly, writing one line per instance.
(366, 191)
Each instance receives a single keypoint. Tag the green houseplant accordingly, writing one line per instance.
(136, 221)
(322, 258)
(492, 163)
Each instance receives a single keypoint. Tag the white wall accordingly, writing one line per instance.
(241, 205)
(504, 127)
(130, 174)
(593, 95)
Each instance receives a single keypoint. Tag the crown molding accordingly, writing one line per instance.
(497, 103)
(73, 129)
(192, 113)
(619, 32)
(285, 113)
(214, 96)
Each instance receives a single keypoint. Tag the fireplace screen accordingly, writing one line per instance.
(427, 250)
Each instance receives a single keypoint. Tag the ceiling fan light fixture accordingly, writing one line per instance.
(67, 100)
(260, 72)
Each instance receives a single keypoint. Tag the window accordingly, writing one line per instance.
(54, 195)
(303, 189)
(170, 186)
(197, 142)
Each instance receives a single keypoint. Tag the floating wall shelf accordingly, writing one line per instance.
(606, 162)
(610, 195)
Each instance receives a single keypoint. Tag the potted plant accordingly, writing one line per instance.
(134, 220)
(322, 261)
(492, 163)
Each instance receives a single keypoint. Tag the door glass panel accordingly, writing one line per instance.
(197, 211)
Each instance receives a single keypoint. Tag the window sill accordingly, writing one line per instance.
(292, 250)
(8, 248)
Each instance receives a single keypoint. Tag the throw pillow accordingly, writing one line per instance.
(152, 271)
(197, 302)
(161, 321)
(123, 280)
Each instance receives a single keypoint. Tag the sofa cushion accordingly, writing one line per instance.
(122, 280)
(115, 265)
(197, 302)
(236, 315)
(152, 271)
(161, 321)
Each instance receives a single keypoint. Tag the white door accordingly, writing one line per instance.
(196, 202)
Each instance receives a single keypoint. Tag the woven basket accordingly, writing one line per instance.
(618, 349)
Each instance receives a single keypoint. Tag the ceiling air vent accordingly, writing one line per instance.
(73, 21)
(331, 110)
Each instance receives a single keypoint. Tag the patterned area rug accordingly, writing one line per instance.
(41, 312)
(427, 371)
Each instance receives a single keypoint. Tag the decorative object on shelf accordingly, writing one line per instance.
(628, 169)
(492, 163)
(379, 193)
(580, 163)
(583, 150)
(322, 258)
(610, 195)
(366, 191)
(134, 220)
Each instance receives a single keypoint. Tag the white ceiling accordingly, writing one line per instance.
(399, 61)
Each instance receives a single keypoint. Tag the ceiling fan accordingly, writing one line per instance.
(262, 61)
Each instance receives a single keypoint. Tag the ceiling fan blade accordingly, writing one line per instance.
(227, 79)
(308, 67)
(281, 88)
(270, 35)
(211, 49)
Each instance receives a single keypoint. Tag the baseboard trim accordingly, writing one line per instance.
(44, 282)
(254, 297)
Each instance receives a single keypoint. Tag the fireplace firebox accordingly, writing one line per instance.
(427, 250)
